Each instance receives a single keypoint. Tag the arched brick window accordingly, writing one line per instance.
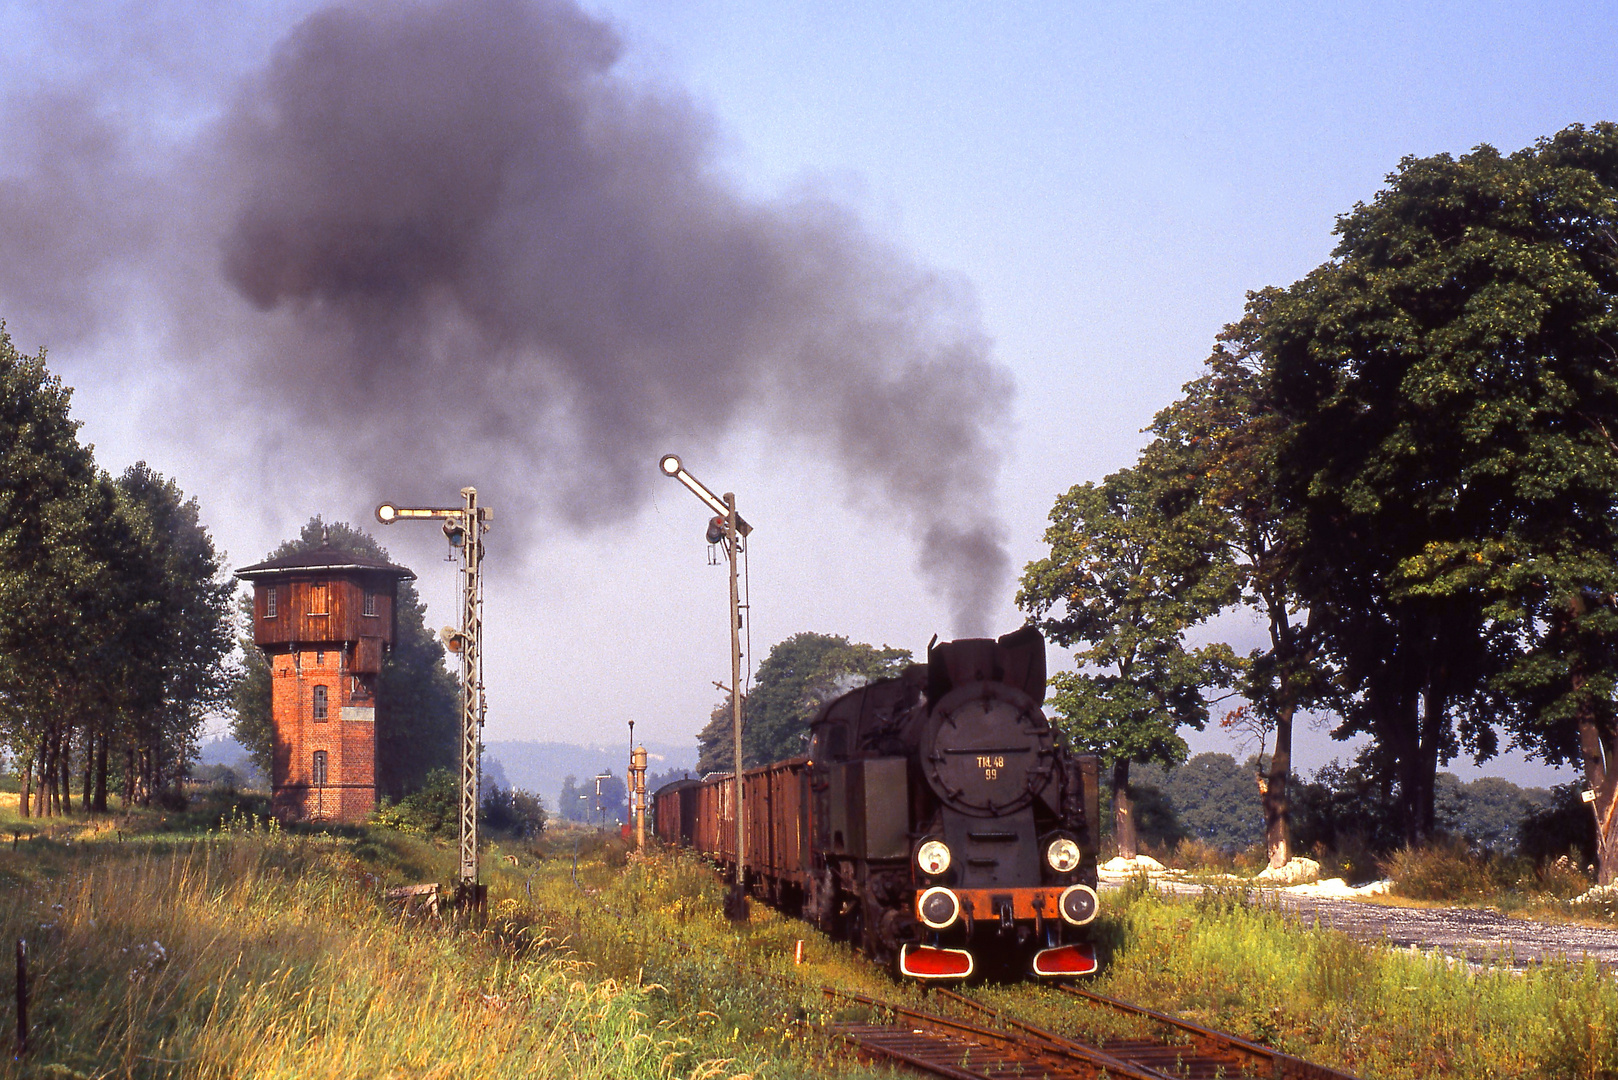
(318, 772)
(320, 703)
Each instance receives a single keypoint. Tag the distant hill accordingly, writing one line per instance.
(226, 751)
(542, 766)
(534, 766)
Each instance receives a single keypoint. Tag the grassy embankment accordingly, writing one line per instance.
(265, 953)
(261, 952)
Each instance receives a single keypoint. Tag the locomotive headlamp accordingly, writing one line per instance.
(933, 857)
(1078, 904)
(938, 907)
(1062, 854)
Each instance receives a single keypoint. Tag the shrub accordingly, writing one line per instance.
(515, 811)
(432, 811)
(1561, 878)
(1446, 870)
(1565, 826)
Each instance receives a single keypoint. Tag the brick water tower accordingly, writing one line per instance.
(325, 618)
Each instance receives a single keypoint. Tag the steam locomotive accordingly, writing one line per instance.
(934, 821)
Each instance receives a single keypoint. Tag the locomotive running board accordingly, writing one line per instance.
(926, 962)
(1065, 960)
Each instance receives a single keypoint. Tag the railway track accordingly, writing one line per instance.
(995, 1046)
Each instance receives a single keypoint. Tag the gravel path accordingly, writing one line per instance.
(1478, 936)
(1481, 937)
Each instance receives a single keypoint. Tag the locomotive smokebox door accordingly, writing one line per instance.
(986, 749)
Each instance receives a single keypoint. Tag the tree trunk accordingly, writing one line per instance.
(1277, 807)
(1598, 744)
(65, 764)
(1434, 720)
(100, 803)
(49, 774)
(129, 777)
(1123, 816)
(40, 769)
(89, 768)
(1405, 740)
(25, 803)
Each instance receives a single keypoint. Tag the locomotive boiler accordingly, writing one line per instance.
(936, 822)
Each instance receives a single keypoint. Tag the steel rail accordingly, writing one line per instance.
(951, 1044)
(1280, 1065)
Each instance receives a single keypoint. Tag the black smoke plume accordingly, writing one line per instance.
(415, 207)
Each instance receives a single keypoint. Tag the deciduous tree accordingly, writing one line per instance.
(1229, 431)
(800, 675)
(1449, 383)
(1134, 562)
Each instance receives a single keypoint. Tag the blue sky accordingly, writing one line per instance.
(1107, 181)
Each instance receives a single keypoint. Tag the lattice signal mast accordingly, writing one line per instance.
(464, 527)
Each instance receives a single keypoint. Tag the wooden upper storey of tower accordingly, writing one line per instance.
(323, 596)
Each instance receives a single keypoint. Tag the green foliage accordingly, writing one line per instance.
(1488, 811)
(1447, 870)
(250, 698)
(114, 622)
(1133, 563)
(1347, 810)
(799, 676)
(1564, 825)
(1447, 383)
(515, 811)
(1209, 798)
(433, 809)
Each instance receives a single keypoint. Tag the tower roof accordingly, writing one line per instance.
(327, 558)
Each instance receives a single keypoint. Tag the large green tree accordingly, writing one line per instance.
(1448, 383)
(800, 675)
(1135, 561)
(113, 620)
(184, 637)
(1228, 431)
(418, 695)
(49, 565)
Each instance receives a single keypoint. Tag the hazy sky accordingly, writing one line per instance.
(1072, 197)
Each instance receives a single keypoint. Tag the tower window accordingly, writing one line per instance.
(320, 703)
(269, 602)
(320, 657)
(370, 601)
(319, 770)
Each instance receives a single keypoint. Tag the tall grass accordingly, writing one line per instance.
(1237, 963)
(272, 955)
(253, 952)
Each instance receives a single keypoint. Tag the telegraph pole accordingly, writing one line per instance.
(464, 527)
(733, 531)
